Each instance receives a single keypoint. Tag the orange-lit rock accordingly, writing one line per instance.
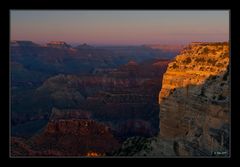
(76, 137)
(58, 44)
(194, 99)
(93, 154)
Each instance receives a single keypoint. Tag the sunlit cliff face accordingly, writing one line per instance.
(195, 100)
(194, 65)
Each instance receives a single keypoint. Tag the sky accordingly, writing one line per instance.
(120, 27)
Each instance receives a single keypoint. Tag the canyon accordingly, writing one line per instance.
(194, 106)
(195, 101)
(116, 102)
(123, 106)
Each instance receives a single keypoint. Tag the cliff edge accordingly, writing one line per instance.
(195, 100)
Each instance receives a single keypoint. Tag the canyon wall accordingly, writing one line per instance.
(91, 115)
(195, 100)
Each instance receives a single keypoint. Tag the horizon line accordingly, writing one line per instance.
(109, 44)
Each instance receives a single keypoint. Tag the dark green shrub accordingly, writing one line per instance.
(224, 55)
(187, 60)
(214, 77)
(219, 65)
(212, 62)
(226, 74)
(221, 97)
(202, 92)
(172, 91)
(205, 50)
(214, 52)
(175, 66)
(212, 70)
(219, 48)
(200, 60)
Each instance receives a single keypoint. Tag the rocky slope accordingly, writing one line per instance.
(125, 98)
(195, 100)
(76, 137)
(140, 147)
(58, 44)
(117, 104)
(68, 133)
(60, 57)
(33, 64)
(194, 106)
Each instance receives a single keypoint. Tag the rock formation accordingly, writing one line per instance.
(166, 48)
(15, 43)
(116, 104)
(76, 137)
(68, 133)
(58, 44)
(119, 99)
(195, 100)
(194, 106)
(140, 147)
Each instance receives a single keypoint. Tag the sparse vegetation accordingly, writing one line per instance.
(226, 74)
(172, 91)
(212, 69)
(175, 66)
(214, 52)
(202, 92)
(214, 77)
(205, 50)
(133, 146)
(219, 48)
(224, 55)
(221, 97)
(212, 62)
(187, 60)
(198, 60)
(220, 65)
(214, 102)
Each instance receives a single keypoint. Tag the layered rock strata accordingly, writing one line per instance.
(195, 100)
